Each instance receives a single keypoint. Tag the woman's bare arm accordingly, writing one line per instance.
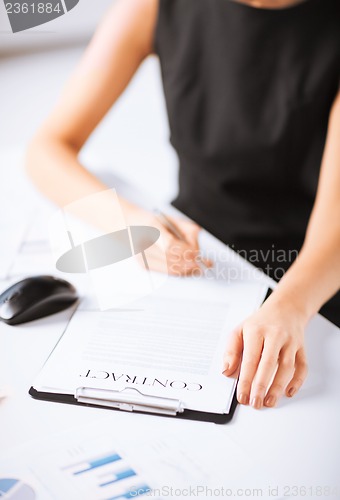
(315, 276)
(274, 336)
(122, 41)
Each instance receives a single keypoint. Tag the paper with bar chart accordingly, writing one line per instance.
(113, 458)
(15, 489)
(103, 461)
(108, 475)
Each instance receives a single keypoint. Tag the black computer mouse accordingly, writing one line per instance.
(34, 298)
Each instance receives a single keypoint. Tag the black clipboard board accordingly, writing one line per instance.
(217, 418)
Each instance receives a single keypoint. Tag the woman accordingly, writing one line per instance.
(252, 92)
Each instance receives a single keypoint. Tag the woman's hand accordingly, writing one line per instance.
(182, 255)
(268, 351)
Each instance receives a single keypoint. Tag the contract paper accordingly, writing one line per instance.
(167, 345)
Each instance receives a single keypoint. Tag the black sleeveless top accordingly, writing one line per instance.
(248, 94)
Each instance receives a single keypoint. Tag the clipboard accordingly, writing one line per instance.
(133, 400)
(217, 418)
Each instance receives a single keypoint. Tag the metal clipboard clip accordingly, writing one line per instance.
(129, 399)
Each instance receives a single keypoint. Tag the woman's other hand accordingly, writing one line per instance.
(182, 255)
(268, 351)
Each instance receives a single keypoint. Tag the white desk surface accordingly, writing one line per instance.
(296, 444)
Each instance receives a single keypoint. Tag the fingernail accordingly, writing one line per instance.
(226, 369)
(256, 403)
(291, 392)
(243, 399)
(270, 401)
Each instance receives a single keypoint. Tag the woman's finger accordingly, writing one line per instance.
(301, 370)
(188, 230)
(182, 259)
(181, 251)
(181, 247)
(264, 374)
(282, 377)
(233, 353)
(173, 267)
(252, 349)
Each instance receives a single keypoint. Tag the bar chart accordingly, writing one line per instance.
(108, 476)
(103, 461)
(15, 489)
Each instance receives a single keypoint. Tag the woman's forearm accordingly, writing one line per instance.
(313, 278)
(54, 168)
(122, 41)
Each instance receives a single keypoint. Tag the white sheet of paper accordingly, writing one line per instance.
(106, 460)
(169, 344)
